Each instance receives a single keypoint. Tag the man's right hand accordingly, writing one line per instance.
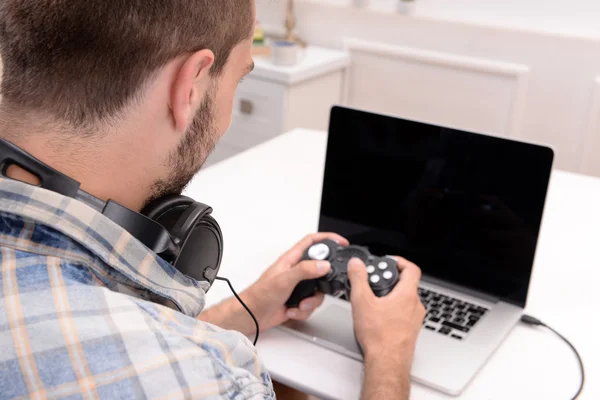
(387, 329)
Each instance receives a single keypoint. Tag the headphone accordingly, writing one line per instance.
(178, 229)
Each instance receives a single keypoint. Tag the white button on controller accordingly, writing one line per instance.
(370, 269)
(382, 265)
(375, 278)
(388, 275)
(319, 252)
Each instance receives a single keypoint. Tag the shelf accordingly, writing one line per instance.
(315, 61)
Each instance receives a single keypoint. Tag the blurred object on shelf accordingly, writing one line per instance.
(361, 3)
(290, 26)
(259, 44)
(406, 6)
(285, 53)
(261, 50)
(259, 35)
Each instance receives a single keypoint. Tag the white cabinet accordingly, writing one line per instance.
(477, 94)
(525, 69)
(274, 99)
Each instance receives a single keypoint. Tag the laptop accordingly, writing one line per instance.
(465, 207)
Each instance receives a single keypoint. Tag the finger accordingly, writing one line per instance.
(359, 279)
(422, 310)
(297, 314)
(304, 271)
(403, 262)
(294, 255)
(312, 303)
(410, 274)
(306, 308)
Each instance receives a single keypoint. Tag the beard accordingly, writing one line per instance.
(191, 154)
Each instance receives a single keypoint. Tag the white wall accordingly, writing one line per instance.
(528, 69)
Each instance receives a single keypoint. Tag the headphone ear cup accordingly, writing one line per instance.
(195, 231)
(202, 251)
(158, 209)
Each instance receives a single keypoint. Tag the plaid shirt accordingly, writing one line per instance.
(86, 311)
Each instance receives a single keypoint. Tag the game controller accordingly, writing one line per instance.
(382, 272)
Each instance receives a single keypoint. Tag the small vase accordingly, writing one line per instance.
(406, 6)
(361, 3)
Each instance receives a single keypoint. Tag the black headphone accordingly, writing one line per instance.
(176, 228)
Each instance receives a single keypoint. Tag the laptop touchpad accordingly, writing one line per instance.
(333, 327)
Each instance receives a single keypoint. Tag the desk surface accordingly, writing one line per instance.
(268, 198)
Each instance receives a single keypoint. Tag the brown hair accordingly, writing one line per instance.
(83, 61)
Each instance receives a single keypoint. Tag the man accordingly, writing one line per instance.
(129, 98)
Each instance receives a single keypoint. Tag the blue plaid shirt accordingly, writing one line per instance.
(86, 311)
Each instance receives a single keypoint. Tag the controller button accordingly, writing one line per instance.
(370, 269)
(388, 275)
(375, 278)
(319, 252)
(382, 265)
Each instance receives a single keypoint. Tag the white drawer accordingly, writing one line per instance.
(257, 113)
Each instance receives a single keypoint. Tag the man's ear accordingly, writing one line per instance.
(189, 87)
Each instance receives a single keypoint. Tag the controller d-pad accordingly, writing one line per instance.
(353, 252)
(319, 252)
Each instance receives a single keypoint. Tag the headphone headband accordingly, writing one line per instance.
(175, 227)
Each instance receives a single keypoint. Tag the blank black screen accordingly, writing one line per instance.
(465, 207)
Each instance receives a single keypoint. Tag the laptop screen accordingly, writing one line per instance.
(465, 207)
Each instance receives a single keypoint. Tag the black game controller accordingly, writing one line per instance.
(383, 272)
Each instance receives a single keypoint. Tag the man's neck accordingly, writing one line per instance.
(105, 167)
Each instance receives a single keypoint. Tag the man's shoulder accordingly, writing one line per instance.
(220, 362)
(63, 331)
(44, 222)
(83, 311)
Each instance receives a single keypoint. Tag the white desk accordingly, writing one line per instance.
(268, 197)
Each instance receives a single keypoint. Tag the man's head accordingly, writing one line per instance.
(164, 73)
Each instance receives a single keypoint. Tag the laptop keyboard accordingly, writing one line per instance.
(449, 316)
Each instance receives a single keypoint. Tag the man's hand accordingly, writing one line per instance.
(266, 298)
(387, 329)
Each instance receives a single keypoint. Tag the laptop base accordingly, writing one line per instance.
(441, 362)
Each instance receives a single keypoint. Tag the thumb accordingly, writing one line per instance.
(307, 270)
(359, 279)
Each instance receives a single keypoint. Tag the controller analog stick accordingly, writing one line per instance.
(319, 252)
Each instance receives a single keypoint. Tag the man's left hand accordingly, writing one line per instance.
(266, 298)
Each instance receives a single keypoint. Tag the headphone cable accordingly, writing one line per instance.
(243, 304)
(529, 320)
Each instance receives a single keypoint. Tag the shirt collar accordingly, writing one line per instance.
(116, 247)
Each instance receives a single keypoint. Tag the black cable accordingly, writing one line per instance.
(243, 304)
(529, 320)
